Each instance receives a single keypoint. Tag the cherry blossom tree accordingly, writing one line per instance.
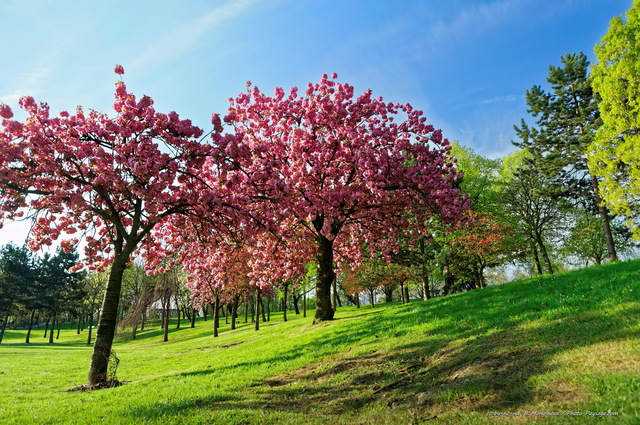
(338, 171)
(110, 182)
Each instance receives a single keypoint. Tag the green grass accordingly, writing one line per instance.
(550, 346)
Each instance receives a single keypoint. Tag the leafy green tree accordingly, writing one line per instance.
(534, 215)
(62, 287)
(567, 119)
(615, 151)
(16, 279)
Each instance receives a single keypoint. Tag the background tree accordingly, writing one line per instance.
(615, 151)
(17, 278)
(567, 120)
(533, 215)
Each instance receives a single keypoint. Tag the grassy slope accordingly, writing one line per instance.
(562, 343)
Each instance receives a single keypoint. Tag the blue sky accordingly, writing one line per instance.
(466, 63)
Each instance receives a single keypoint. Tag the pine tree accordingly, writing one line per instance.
(567, 120)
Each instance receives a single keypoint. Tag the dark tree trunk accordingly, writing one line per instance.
(426, 289)
(79, 326)
(178, 310)
(536, 259)
(4, 325)
(604, 218)
(216, 316)
(166, 303)
(325, 278)
(53, 328)
(134, 330)
(402, 293)
(90, 329)
(234, 312)
(46, 327)
(246, 312)
(193, 318)
(358, 299)
(284, 303)
(545, 254)
(107, 322)
(372, 298)
(257, 310)
(33, 313)
(334, 295)
(59, 327)
(304, 304)
(388, 293)
(268, 309)
(406, 293)
(296, 299)
(264, 318)
(204, 311)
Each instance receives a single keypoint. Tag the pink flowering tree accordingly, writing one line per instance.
(110, 182)
(336, 171)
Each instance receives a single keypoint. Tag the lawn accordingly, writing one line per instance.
(558, 349)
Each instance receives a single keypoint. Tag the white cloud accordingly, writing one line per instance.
(499, 99)
(182, 38)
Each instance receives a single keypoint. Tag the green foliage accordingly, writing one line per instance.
(533, 345)
(616, 149)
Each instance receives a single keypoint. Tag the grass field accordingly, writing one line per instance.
(561, 349)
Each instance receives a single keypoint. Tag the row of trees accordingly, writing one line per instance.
(40, 288)
(323, 177)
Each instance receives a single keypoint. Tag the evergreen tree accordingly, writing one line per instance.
(567, 120)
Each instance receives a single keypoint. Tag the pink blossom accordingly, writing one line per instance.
(119, 69)
(5, 111)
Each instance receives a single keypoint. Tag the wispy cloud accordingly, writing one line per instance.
(499, 99)
(182, 38)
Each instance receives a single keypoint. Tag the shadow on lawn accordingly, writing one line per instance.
(510, 336)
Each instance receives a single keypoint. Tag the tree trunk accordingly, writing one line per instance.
(53, 328)
(358, 299)
(406, 293)
(304, 304)
(284, 304)
(90, 329)
(204, 311)
(234, 312)
(178, 311)
(388, 293)
(193, 318)
(604, 218)
(296, 299)
(264, 318)
(246, 312)
(426, 290)
(166, 303)
(33, 313)
(79, 326)
(216, 316)
(268, 309)
(107, 322)
(324, 280)
(46, 327)
(402, 293)
(4, 325)
(536, 259)
(257, 310)
(334, 295)
(59, 327)
(372, 298)
(545, 254)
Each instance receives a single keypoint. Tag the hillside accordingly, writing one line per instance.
(565, 347)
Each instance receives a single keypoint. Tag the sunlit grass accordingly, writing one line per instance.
(561, 343)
